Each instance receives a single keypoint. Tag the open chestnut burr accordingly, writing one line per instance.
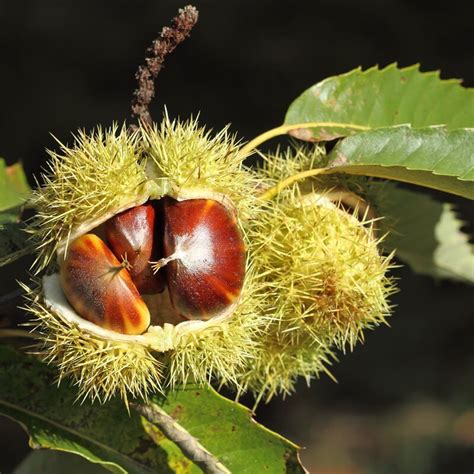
(191, 249)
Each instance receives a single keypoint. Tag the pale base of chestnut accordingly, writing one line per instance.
(159, 338)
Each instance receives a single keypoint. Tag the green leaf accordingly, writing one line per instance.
(454, 255)
(109, 436)
(381, 98)
(433, 157)
(14, 189)
(56, 462)
(227, 430)
(102, 434)
(425, 233)
(388, 116)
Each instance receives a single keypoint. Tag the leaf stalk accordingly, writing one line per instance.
(285, 128)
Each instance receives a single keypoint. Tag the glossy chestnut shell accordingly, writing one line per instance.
(208, 274)
(202, 265)
(131, 235)
(100, 289)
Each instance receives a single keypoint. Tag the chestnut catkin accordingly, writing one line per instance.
(100, 289)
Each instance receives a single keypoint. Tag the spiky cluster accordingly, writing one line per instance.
(192, 158)
(314, 279)
(324, 278)
(100, 173)
(334, 283)
(100, 368)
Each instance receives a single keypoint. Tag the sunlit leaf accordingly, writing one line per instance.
(432, 157)
(381, 98)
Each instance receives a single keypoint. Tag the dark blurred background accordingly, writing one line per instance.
(405, 400)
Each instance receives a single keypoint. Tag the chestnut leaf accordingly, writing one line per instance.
(398, 124)
(123, 442)
(426, 234)
(378, 98)
(14, 190)
(226, 429)
(434, 157)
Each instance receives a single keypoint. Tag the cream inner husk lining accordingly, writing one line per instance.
(160, 338)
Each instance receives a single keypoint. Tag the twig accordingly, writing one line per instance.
(169, 38)
(187, 443)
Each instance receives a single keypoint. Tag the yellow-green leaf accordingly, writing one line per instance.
(380, 98)
(14, 188)
(434, 157)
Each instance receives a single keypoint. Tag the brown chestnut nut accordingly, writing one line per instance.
(205, 257)
(131, 235)
(100, 288)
